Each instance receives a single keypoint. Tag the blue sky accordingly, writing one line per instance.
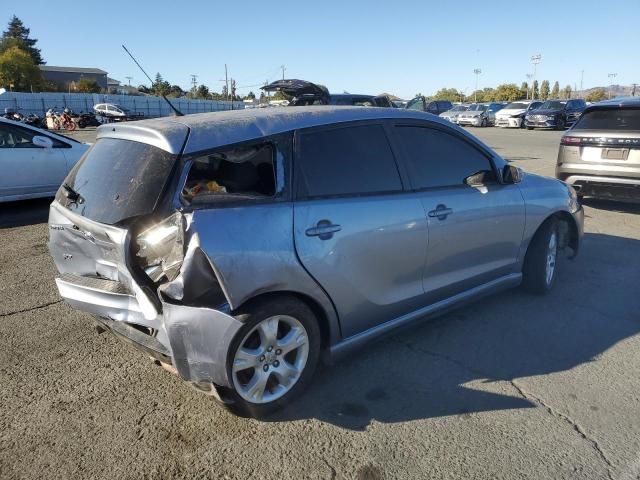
(401, 47)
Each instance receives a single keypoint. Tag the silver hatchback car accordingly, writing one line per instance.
(237, 247)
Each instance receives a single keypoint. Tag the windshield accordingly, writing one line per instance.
(459, 108)
(614, 119)
(552, 105)
(416, 104)
(477, 108)
(517, 106)
(117, 179)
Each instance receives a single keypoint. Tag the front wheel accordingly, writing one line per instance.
(561, 124)
(539, 271)
(273, 356)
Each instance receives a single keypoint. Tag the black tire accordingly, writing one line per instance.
(81, 124)
(251, 316)
(561, 125)
(529, 128)
(484, 122)
(535, 277)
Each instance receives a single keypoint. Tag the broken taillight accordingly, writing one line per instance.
(161, 248)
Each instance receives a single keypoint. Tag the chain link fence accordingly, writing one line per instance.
(39, 103)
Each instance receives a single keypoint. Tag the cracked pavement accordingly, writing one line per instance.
(511, 387)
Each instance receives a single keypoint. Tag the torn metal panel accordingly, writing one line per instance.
(200, 339)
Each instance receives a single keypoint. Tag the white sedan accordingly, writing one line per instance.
(34, 162)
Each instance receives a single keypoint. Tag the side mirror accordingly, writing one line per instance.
(42, 142)
(511, 174)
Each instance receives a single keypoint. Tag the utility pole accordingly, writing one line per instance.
(477, 71)
(612, 76)
(129, 79)
(535, 59)
(226, 80)
(194, 83)
(283, 69)
(633, 90)
(581, 80)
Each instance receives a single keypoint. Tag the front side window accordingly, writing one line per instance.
(243, 173)
(439, 159)
(416, 104)
(345, 161)
(15, 137)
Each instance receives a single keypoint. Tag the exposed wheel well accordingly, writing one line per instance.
(316, 308)
(567, 229)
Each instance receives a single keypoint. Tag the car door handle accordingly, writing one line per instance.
(441, 212)
(324, 230)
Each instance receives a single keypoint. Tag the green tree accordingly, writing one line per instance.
(87, 85)
(524, 88)
(18, 72)
(596, 95)
(535, 93)
(175, 91)
(508, 92)
(566, 93)
(451, 94)
(544, 90)
(555, 91)
(202, 92)
(251, 96)
(161, 86)
(17, 35)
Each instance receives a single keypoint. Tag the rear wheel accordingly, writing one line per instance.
(540, 262)
(274, 355)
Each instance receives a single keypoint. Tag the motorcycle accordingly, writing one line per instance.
(60, 121)
(87, 120)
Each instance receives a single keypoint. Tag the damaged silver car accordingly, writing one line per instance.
(237, 248)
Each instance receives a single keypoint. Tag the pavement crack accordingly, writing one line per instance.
(30, 309)
(566, 418)
(334, 473)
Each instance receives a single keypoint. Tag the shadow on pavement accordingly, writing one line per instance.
(612, 205)
(426, 371)
(25, 212)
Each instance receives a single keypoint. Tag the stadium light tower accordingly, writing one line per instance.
(535, 59)
(477, 71)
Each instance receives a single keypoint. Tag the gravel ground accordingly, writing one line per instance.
(512, 387)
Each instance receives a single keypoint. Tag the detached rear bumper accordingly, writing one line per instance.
(194, 340)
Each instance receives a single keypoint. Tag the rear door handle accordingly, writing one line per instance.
(324, 230)
(441, 212)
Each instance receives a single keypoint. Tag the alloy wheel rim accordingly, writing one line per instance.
(552, 253)
(270, 359)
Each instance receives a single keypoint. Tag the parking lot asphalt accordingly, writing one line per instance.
(515, 386)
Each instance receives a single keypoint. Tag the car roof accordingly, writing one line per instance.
(216, 129)
(614, 103)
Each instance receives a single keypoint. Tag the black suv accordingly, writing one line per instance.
(431, 106)
(302, 92)
(555, 114)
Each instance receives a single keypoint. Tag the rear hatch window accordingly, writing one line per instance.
(610, 119)
(117, 179)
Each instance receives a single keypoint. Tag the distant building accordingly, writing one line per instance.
(63, 77)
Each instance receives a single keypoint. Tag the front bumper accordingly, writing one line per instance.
(194, 340)
(549, 123)
(508, 122)
(471, 121)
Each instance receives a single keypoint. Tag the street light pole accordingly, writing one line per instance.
(477, 71)
(529, 86)
(611, 77)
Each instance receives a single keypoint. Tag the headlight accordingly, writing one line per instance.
(161, 248)
(516, 116)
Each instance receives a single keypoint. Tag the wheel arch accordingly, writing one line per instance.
(569, 231)
(328, 328)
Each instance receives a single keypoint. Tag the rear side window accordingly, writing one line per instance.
(618, 119)
(439, 159)
(346, 161)
(242, 173)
